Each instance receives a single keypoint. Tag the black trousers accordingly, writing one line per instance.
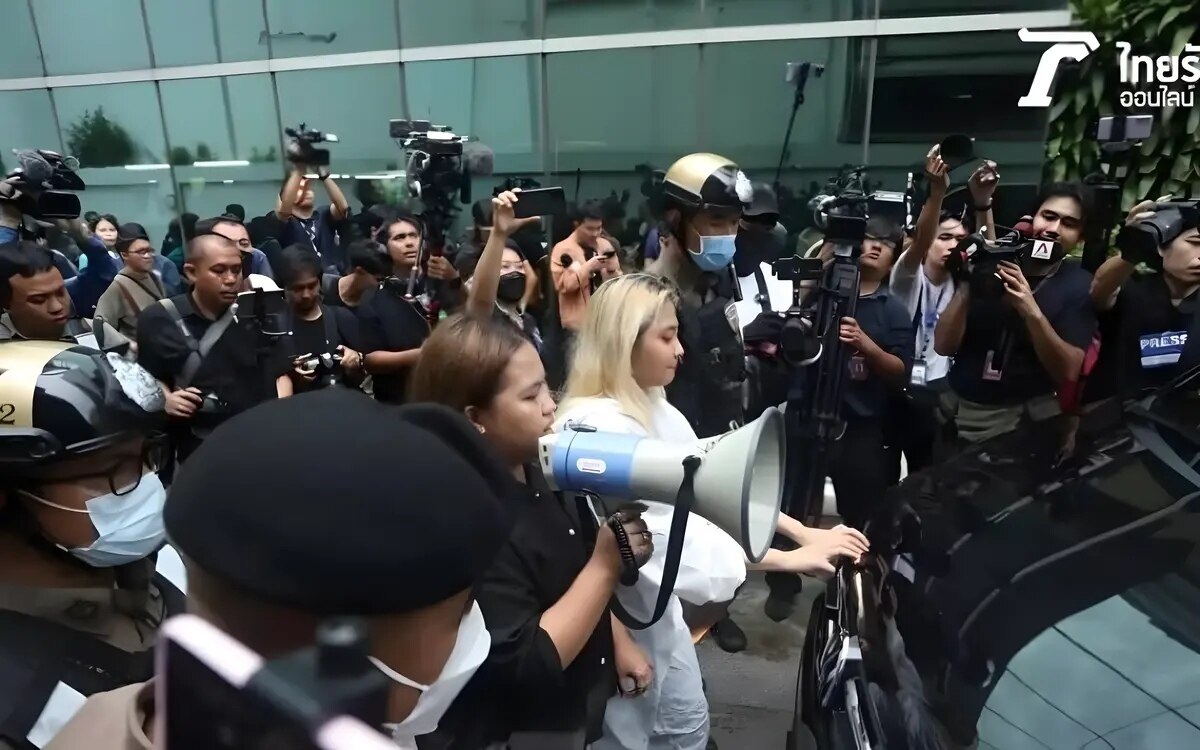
(913, 430)
(860, 471)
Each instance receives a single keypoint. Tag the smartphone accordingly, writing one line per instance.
(1136, 127)
(264, 307)
(540, 202)
(204, 702)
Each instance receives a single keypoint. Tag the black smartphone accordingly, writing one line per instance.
(540, 202)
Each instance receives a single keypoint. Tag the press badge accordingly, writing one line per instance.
(918, 373)
(1162, 349)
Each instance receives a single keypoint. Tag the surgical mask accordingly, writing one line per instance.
(716, 252)
(511, 288)
(129, 526)
(470, 649)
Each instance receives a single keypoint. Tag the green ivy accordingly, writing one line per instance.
(180, 157)
(1167, 161)
(257, 157)
(97, 141)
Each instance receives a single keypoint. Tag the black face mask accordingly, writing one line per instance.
(511, 288)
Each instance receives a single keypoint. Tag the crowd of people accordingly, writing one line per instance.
(324, 418)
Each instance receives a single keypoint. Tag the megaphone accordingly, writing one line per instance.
(738, 484)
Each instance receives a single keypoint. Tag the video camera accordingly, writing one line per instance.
(976, 259)
(302, 148)
(1142, 239)
(842, 209)
(39, 186)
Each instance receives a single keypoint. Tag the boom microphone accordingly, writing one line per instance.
(478, 160)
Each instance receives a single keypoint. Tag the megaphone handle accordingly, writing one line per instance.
(684, 500)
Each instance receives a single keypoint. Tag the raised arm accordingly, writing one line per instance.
(487, 271)
(1115, 271)
(339, 207)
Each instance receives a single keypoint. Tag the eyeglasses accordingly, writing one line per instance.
(152, 458)
(145, 253)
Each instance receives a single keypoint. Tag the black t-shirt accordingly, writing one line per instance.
(336, 327)
(237, 370)
(1153, 333)
(391, 323)
(885, 320)
(523, 687)
(996, 363)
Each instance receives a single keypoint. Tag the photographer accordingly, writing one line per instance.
(580, 262)
(922, 282)
(327, 334)
(1154, 312)
(416, 523)
(318, 228)
(1016, 342)
(209, 367)
(368, 264)
(394, 325)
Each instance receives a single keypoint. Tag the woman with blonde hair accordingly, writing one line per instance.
(627, 352)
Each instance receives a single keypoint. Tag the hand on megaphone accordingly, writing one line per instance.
(608, 546)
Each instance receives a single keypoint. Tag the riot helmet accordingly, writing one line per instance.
(709, 193)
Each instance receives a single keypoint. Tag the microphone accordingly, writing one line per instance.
(478, 160)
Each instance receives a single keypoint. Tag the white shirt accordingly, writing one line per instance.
(918, 293)
(711, 568)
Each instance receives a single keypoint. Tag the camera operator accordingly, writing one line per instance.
(80, 523)
(394, 325)
(403, 555)
(209, 367)
(1015, 343)
(254, 261)
(319, 228)
(1154, 312)
(368, 264)
(580, 263)
(327, 334)
(922, 282)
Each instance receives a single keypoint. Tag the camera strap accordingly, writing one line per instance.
(763, 298)
(199, 349)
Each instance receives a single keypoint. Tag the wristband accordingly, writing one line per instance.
(988, 207)
(323, 174)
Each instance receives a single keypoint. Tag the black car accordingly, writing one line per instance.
(1018, 599)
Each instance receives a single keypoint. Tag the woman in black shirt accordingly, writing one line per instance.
(551, 668)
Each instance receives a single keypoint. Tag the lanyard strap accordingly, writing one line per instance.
(923, 334)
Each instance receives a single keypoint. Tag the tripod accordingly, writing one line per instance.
(797, 75)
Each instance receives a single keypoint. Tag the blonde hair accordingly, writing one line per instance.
(602, 364)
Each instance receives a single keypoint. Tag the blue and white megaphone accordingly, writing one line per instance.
(738, 484)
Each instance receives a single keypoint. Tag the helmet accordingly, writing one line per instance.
(59, 400)
(701, 182)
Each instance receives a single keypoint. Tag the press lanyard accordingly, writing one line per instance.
(927, 317)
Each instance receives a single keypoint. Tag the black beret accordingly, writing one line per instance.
(331, 503)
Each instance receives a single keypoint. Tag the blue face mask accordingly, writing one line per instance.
(128, 527)
(716, 252)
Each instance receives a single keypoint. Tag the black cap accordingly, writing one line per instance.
(331, 503)
(763, 202)
(127, 233)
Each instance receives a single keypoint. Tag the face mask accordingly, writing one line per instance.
(716, 252)
(129, 527)
(470, 649)
(511, 288)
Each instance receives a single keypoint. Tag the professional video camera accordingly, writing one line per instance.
(976, 259)
(38, 186)
(1143, 238)
(302, 148)
(438, 173)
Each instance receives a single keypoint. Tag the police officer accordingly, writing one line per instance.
(1155, 313)
(704, 196)
(80, 523)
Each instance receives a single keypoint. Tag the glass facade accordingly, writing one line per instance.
(179, 105)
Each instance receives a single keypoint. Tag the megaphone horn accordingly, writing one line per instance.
(738, 486)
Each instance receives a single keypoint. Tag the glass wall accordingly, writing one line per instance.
(179, 105)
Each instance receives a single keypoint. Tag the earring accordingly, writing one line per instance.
(482, 429)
